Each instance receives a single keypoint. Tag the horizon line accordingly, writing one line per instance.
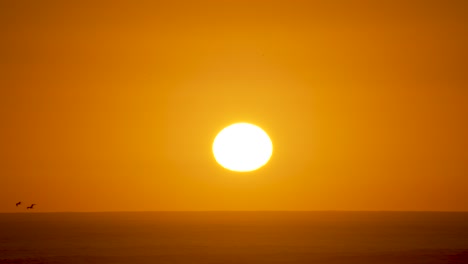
(246, 211)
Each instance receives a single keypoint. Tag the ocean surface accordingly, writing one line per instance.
(234, 237)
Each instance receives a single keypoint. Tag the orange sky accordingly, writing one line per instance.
(112, 105)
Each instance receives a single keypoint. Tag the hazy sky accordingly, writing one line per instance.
(113, 105)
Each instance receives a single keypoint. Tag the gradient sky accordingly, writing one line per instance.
(113, 106)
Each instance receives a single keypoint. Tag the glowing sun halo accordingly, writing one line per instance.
(242, 147)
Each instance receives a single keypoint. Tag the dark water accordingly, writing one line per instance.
(234, 237)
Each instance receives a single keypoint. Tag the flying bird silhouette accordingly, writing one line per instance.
(31, 207)
(18, 203)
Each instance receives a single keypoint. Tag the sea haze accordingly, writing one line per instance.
(234, 237)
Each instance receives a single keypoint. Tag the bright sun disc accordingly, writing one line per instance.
(242, 147)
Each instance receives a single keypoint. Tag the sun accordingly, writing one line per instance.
(242, 147)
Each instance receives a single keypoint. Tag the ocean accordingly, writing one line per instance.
(234, 237)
